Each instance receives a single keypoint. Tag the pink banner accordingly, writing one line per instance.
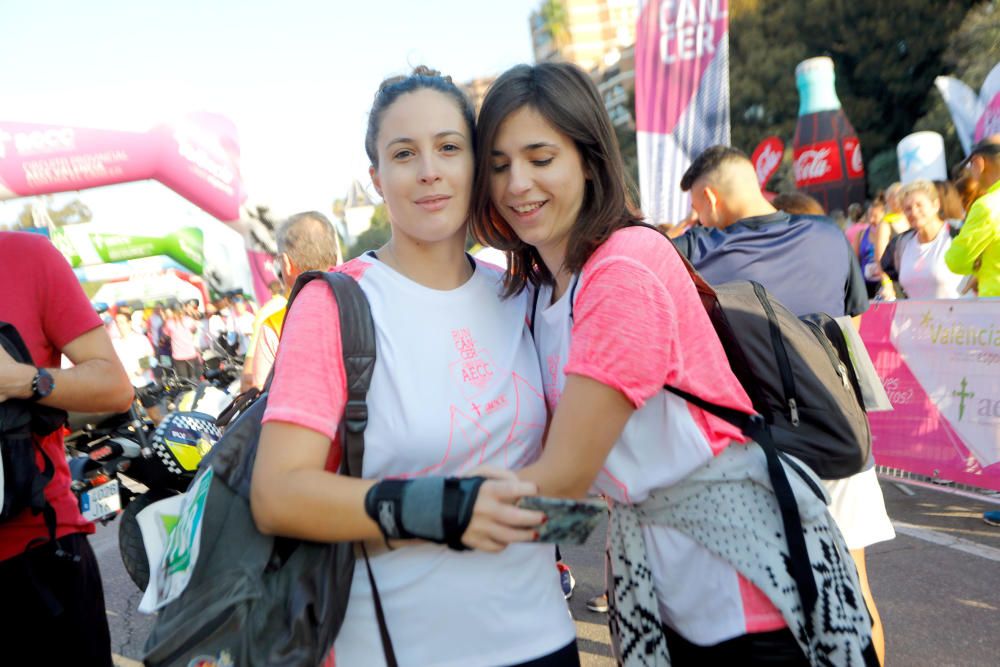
(939, 362)
(197, 157)
(681, 96)
(263, 274)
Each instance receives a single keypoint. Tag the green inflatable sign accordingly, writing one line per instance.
(82, 245)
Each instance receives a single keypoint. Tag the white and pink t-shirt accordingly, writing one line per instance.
(922, 269)
(638, 324)
(456, 384)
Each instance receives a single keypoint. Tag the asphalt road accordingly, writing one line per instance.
(935, 584)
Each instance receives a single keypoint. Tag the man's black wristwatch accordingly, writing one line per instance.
(42, 385)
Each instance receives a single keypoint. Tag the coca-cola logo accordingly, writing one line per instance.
(817, 163)
(852, 153)
(813, 165)
(766, 158)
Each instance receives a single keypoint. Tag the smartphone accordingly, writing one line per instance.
(567, 521)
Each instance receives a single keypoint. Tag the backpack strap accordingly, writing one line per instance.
(44, 420)
(357, 335)
(755, 427)
(534, 310)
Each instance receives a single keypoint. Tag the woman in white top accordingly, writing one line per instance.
(915, 258)
(456, 387)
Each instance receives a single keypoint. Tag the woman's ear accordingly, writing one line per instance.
(376, 181)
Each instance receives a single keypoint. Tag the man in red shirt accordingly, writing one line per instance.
(53, 601)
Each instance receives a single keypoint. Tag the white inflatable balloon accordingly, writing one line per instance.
(921, 156)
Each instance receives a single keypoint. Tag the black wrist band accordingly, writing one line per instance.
(437, 509)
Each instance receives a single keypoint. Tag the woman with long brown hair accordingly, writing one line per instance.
(697, 573)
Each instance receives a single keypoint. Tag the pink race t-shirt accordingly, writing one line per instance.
(182, 339)
(637, 323)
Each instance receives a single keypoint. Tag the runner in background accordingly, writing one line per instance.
(306, 242)
(976, 249)
(182, 330)
(914, 260)
(865, 247)
(798, 203)
(132, 349)
(239, 325)
(893, 224)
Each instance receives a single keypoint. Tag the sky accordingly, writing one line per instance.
(296, 76)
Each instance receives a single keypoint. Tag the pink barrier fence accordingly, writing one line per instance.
(939, 362)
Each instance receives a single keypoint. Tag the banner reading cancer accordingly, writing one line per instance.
(939, 362)
(197, 157)
(681, 96)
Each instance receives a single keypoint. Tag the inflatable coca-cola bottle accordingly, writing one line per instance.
(828, 162)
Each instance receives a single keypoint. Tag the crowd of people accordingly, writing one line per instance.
(179, 335)
(557, 365)
(903, 237)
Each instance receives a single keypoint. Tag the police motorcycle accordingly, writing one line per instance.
(125, 462)
(223, 369)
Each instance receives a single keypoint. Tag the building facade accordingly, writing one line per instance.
(476, 90)
(582, 31)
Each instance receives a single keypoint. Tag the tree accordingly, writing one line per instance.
(971, 54)
(886, 57)
(375, 236)
(72, 213)
(556, 22)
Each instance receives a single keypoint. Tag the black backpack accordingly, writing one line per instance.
(260, 600)
(798, 373)
(22, 484)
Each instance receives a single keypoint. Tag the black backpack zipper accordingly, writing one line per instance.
(778, 343)
(830, 352)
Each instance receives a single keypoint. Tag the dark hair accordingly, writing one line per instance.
(798, 203)
(711, 159)
(951, 201)
(395, 87)
(855, 212)
(967, 189)
(566, 97)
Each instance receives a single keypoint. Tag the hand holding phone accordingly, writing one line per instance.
(567, 521)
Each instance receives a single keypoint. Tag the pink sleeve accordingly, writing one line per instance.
(622, 315)
(310, 387)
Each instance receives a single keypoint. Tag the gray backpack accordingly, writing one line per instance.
(255, 599)
(799, 376)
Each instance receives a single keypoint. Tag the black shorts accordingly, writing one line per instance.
(52, 606)
(567, 656)
(760, 649)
